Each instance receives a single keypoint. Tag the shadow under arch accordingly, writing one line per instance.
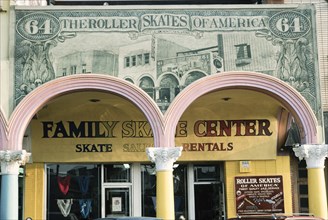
(272, 86)
(3, 131)
(34, 101)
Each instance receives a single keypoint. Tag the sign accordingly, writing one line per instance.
(73, 138)
(89, 132)
(259, 194)
(116, 204)
(165, 49)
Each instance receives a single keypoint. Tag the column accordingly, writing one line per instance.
(10, 162)
(314, 155)
(164, 157)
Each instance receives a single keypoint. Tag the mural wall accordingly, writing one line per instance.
(164, 50)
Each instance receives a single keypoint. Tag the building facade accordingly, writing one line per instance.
(180, 112)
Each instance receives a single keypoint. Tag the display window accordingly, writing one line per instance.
(90, 191)
(73, 191)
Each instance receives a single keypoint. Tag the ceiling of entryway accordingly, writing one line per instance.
(87, 102)
(79, 101)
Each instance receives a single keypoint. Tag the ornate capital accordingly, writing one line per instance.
(163, 157)
(314, 154)
(11, 160)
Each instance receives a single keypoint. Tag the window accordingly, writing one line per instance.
(205, 173)
(146, 57)
(150, 92)
(136, 60)
(139, 60)
(126, 61)
(73, 70)
(244, 56)
(243, 51)
(76, 186)
(84, 68)
(64, 72)
(117, 173)
(133, 61)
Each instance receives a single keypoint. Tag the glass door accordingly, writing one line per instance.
(117, 201)
(207, 201)
(205, 182)
(116, 190)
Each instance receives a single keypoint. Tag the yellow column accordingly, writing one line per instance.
(34, 191)
(165, 195)
(164, 158)
(315, 155)
(317, 192)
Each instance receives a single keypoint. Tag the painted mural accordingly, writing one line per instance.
(163, 50)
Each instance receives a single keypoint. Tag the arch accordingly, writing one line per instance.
(163, 75)
(3, 131)
(129, 79)
(34, 101)
(189, 74)
(146, 79)
(270, 85)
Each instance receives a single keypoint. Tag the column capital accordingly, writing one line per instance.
(11, 160)
(163, 157)
(314, 154)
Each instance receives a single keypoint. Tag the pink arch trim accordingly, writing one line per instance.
(3, 131)
(163, 128)
(270, 85)
(35, 100)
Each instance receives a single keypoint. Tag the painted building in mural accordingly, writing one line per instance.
(175, 112)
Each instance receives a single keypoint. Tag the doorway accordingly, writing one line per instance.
(207, 190)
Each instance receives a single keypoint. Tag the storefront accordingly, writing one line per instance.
(80, 167)
(179, 114)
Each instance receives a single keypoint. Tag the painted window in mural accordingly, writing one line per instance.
(243, 54)
(126, 61)
(84, 68)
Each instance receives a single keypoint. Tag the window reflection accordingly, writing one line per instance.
(117, 173)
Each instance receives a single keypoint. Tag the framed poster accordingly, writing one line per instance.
(116, 204)
(259, 194)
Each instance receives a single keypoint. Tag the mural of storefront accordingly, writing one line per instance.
(181, 114)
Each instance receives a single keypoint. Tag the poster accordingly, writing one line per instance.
(116, 204)
(259, 194)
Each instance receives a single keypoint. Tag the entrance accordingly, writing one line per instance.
(207, 189)
(207, 201)
(116, 190)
